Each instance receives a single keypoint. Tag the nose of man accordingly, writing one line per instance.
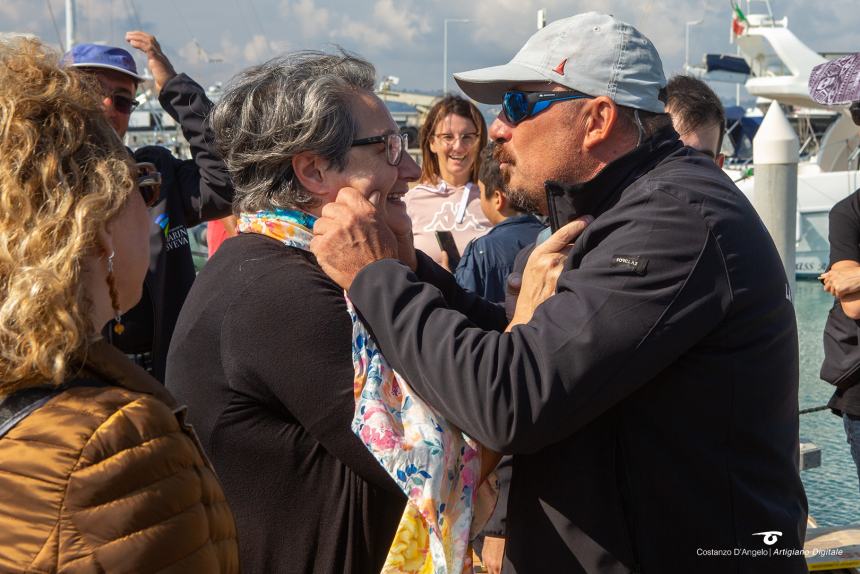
(409, 170)
(500, 130)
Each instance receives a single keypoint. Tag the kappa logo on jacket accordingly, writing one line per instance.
(446, 220)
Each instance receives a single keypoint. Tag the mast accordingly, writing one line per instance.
(70, 24)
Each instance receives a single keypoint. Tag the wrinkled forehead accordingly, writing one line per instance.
(371, 115)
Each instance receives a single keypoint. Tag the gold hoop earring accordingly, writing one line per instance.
(118, 327)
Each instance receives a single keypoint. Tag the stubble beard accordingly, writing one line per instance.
(519, 198)
(523, 200)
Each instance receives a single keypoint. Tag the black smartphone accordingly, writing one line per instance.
(560, 207)
(446, 244)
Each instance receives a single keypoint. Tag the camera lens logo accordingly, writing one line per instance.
(770, 536)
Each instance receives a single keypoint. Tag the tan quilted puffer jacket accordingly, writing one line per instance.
(107, 479)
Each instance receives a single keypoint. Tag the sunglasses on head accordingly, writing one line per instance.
(519, 106)
(148, 182)
(123, 104)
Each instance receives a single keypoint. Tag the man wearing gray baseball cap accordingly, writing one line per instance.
(651, 402)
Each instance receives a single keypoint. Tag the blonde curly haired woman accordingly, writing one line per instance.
(98, 473)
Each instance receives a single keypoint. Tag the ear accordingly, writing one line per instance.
(601, 120)
(104, 242)
(500, 201)
(311, 170)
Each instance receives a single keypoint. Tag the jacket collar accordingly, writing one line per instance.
(598, 194)
(516, 220)
(105, 362)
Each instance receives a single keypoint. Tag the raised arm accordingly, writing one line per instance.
(202, 181)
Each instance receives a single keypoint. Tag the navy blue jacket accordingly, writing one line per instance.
(651, 404)
(488, 259)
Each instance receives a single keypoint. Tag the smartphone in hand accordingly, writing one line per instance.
(447, 244)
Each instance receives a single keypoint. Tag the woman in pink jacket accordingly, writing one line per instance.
(447, 197)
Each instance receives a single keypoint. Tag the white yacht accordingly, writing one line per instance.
(778, 66)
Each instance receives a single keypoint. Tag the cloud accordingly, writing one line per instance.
(370, 38)
(257, 49)
(313, 20)
(260, 48)
(403, 22)
(388, 26)
(192, 54)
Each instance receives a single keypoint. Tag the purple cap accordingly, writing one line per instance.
(105, 57)
(836, 82)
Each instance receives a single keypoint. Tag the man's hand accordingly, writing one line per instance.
(493, 553)
(543, 269)
(842, 280)
(444, 262)
(161, 68)
(351, 233)
(400, 224)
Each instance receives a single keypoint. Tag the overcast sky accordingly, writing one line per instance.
(213, 39)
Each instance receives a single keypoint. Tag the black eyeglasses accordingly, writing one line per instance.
(519, 105)
(123, 104)
(394, 145)
(148, 182)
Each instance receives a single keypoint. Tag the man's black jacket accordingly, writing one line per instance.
(651, 404)
(192, 191)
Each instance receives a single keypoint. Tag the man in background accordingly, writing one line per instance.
(835, 83)
(488, 259)
(697, 115)
(192, 191)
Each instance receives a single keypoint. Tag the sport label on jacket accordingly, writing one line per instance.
(633, 263)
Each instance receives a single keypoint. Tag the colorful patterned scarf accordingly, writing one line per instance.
(434, 464)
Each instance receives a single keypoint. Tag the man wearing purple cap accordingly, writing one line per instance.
(837, 83)
(192, 191)
(651, 403)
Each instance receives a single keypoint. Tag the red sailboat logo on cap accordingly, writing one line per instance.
(560, 68)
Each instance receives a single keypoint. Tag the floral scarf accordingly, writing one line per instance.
(433, 463)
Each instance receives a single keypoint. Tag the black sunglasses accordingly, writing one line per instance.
(123, 104)
(855, 112)
(394, 145)
(519, 106)
(148, 182)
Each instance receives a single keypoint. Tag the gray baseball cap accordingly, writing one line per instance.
(592, 53)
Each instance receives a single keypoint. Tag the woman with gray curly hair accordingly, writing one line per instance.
(262, 348)
(98, 472)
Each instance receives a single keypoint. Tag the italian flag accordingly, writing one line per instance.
(739, 21)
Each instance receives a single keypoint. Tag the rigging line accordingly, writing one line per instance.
(183, 20)
(135, 14)
(244, 19)
(256, 17)
(56, 28)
